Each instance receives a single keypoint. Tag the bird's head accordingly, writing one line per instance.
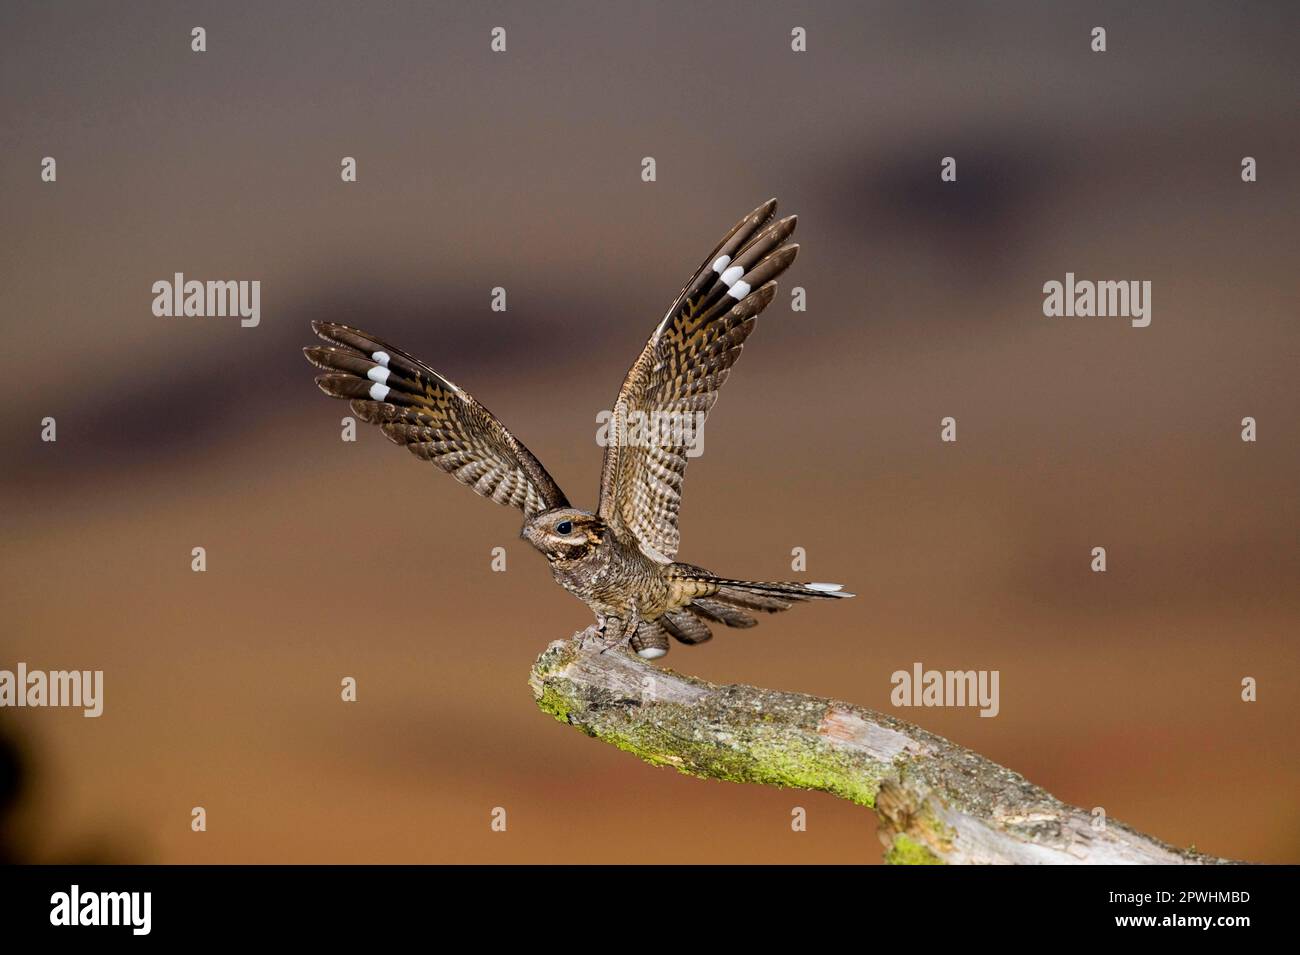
(565, 533)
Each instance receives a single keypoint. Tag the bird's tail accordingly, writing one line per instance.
(722, 600)
(759, 596)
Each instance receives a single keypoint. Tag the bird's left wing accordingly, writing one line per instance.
(433, 418)
(673, 384)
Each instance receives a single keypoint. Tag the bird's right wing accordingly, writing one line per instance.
(433, 418)
(679, 373)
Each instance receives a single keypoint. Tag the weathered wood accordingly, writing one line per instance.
(936, 801)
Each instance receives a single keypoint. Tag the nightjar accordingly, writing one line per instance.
(620, 560)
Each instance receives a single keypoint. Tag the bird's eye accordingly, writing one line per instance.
(564, 527)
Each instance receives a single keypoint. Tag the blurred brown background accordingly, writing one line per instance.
(521, 170)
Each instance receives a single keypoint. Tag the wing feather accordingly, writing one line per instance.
(674, 383)
(433, 418)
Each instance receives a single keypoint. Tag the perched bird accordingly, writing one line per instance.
(621, 560)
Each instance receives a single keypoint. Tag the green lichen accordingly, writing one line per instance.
(943, 835)
(907, 851)
(553, 703)
(667, 734)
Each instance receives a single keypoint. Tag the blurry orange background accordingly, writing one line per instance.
(522, 170)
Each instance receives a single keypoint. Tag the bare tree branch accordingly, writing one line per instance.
(937, 802)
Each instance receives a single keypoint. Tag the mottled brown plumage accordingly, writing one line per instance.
(620, 561)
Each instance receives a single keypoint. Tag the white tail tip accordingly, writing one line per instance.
(827, 588)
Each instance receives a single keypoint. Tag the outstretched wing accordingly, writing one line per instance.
(675, 382)
(434, 419)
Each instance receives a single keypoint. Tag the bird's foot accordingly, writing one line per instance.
(612, 642)
(619, 636)
(592, 637)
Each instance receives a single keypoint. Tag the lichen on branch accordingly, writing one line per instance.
(936, 802)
